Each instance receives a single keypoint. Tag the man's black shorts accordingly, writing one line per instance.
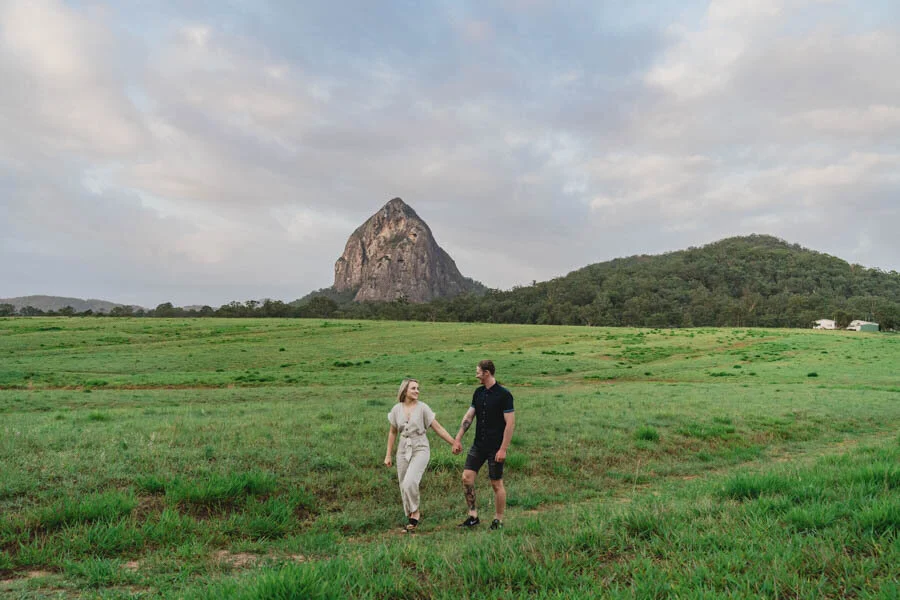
(476, 458)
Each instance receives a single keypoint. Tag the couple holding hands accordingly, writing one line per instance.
(492, 407)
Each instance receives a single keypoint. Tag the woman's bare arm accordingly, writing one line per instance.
(392, 436)
(442, 433)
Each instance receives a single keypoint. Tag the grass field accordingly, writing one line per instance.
(242, 458)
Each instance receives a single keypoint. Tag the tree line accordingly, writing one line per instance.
(752, 281)
(316, 307)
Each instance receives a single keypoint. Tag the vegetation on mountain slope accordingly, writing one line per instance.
(752, 281)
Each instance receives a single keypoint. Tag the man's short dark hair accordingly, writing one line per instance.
(487, 365)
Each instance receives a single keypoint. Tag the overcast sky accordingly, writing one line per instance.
(200, 151)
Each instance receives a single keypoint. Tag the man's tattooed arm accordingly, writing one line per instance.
(466, 423)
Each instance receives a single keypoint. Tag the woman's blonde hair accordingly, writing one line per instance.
(401, 395)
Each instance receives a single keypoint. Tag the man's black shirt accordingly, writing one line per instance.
(490, 406)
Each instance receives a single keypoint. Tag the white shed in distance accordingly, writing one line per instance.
(825, 324)
(862, 326)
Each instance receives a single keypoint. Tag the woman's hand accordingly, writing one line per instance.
(387, 461)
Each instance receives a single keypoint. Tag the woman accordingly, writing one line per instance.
(410, 419)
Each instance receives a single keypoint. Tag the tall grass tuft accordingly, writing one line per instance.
(107, 506)
(216, 489)
(515, 461)
(647, 433)
(170, 528)
(325, 464)
(109, 539)
(98, 572)
(705, 431)
(14, 483)
(747, 486)
(883, 475)
(150, 484)
(641, 523)
(271, 519)
(442, 461)
(290, 582)
(811, 519)
(881, 517)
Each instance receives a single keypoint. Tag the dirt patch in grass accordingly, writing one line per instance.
(23, 576)
(148, 505)
(744, 344)
(133, 590)
(205, 512)
(302, 513)
(237, 560)
(10, 548)
(245, 560)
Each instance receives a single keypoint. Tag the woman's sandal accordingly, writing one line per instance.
(411, 526)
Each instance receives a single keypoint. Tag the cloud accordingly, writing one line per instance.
(202, 156)
(702, 61)
(870, 121)
(68, 94)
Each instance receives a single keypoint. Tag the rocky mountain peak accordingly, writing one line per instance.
(398, 206)
(393, 255)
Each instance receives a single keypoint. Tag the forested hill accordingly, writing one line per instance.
(744, 281)
(755, 280)
(59, 303)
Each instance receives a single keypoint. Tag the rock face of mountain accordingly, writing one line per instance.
(393, 255)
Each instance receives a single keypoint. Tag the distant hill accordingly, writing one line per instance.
(56, 303)
(756, 280)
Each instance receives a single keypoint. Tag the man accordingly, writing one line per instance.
(492, 405)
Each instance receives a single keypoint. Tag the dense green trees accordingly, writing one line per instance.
(747, 281)
(753, 281)
(121, 311)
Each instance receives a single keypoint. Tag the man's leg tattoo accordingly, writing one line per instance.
(470, 496)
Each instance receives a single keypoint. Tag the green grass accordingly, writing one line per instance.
(647, 433)
(106, 506)
(688, 543)
(242, 458)
(216, 489)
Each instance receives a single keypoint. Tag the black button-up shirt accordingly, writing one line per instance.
(490, 405)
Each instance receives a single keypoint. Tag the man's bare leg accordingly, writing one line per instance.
(499, 499)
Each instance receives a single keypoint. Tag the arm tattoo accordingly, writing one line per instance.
(466, 423)
(470, 496)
